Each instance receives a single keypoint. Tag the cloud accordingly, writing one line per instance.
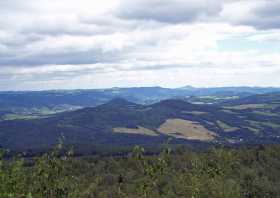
(268, 15)
(84, 44)
(166, 11)
(260, 14)
(272, 37)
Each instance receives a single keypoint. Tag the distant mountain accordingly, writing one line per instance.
(120, 122)
(72, 99)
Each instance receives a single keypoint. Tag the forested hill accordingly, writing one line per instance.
(123, 123)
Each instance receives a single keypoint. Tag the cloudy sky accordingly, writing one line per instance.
(65, 44)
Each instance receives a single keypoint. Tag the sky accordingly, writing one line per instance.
(70, 44)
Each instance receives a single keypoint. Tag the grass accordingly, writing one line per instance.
(254, 124)
(35, 113)
(271, 124)
(226, 127)
(265, 113)
(19, 117)
(254, 130)
(229, 111)
(219, 98)
(138, 130)
(195, 112)
(253, 106)
(247, 106)
(260, 125)
(186, 129)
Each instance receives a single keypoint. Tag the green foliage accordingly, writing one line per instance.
(47, 176)
(51, 177)
(216, 173)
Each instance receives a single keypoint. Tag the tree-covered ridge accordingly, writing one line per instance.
(216, 173)
(122, 123)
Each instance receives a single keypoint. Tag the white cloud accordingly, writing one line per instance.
(125, 43)
(273, 36)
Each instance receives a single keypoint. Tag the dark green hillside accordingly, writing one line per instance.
(123, 123)
(38, 104)
(268, 98)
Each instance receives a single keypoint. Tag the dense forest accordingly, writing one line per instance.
(217, 173)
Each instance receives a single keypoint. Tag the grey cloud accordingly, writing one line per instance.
(167, 11)
(66, 28)
(269, 9)
(268, 15)
(155, 67)
(265, 15)
(266, 23)
(70, 58)
(19, 40)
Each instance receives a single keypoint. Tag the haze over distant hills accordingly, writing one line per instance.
(143, 95)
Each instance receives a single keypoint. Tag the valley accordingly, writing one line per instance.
(253, 119)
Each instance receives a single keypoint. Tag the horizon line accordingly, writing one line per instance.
(124, 87)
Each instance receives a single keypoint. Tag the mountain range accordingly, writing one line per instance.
(94, 97)
(245, 120)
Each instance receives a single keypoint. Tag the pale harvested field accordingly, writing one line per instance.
(139, 130)
(247, 106)
(225, 127)
(186, 129)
